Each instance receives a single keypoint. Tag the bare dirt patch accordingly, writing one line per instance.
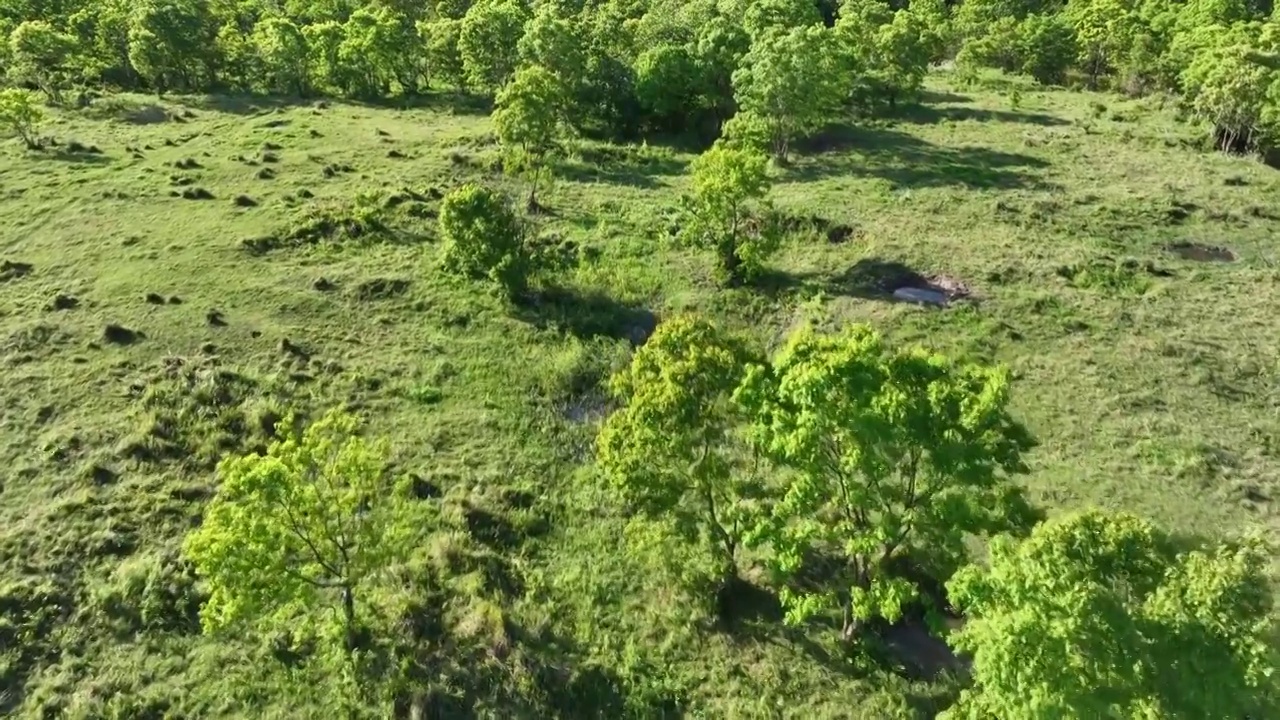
(121, 335)
(381, 288)
(873, 278)
(924, 655)
(1201, 253)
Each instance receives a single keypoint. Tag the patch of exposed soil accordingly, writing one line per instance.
(877, 279)
(1201, 253)
(10, 270)
(927, 657)
(381, 288)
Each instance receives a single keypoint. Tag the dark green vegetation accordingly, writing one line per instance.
(664, 435)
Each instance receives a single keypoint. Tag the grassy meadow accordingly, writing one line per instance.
(190, 271)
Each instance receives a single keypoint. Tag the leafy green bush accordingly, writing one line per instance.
(725, 209)
(484, 238)
(1048, 48)
(19, 112)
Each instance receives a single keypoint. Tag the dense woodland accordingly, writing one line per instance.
(857, 478)
(779, 69)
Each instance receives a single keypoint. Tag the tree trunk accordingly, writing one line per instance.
(349, 617)
(848, 624)
(730, 263)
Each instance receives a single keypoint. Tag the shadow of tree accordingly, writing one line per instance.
(908, 161)
(626, 165)
(932, 115)
(558, 680)
(875, 279)
(72, 157)
(587, 314)
(252, 104)
(938, 97)
(776, 283)
(741, 604)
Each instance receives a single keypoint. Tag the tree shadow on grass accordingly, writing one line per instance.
(932, 115)
(253, 104)
(558, 680)
(246, 104)
(939, 97)
(910, 162)
(625, 165)
(777, 284)
(875, 279)
(73, 158)
(587, 314)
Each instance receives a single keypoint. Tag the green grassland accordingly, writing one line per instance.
(1152, 381)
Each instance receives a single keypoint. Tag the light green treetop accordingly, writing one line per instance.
(1097, 615)
(728, 212)
(884, 452)
(40, 54)
(531, 119)
(673, 447)
(20, 111)
(303, 535)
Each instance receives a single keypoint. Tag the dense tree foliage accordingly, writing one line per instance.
(483, 237)
(882, 452)
(301, 539)
(41, 56)
(790, 81)
(784, 67)
(727, 211)
(1098, 615)
(674, 448)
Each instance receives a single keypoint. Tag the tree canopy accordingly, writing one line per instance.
(882, 451)
(675, 448)
(303, 538)
(1099, 614)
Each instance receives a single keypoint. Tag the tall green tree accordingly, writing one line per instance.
(304, 539)
(727, 211)
(171, 43)
(41, 55)
(360, 64)
(20, 112)
(282, 49)
(439, 40)
(531, 119)
(483, 238)
(1048, 48)
(323, 43)
(489, 41)
(901, 58)
(884, 453)
(1098, 615)
(674, 447)
(552, 40)
(793, 81)
(1106, 31)
(668, 85)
